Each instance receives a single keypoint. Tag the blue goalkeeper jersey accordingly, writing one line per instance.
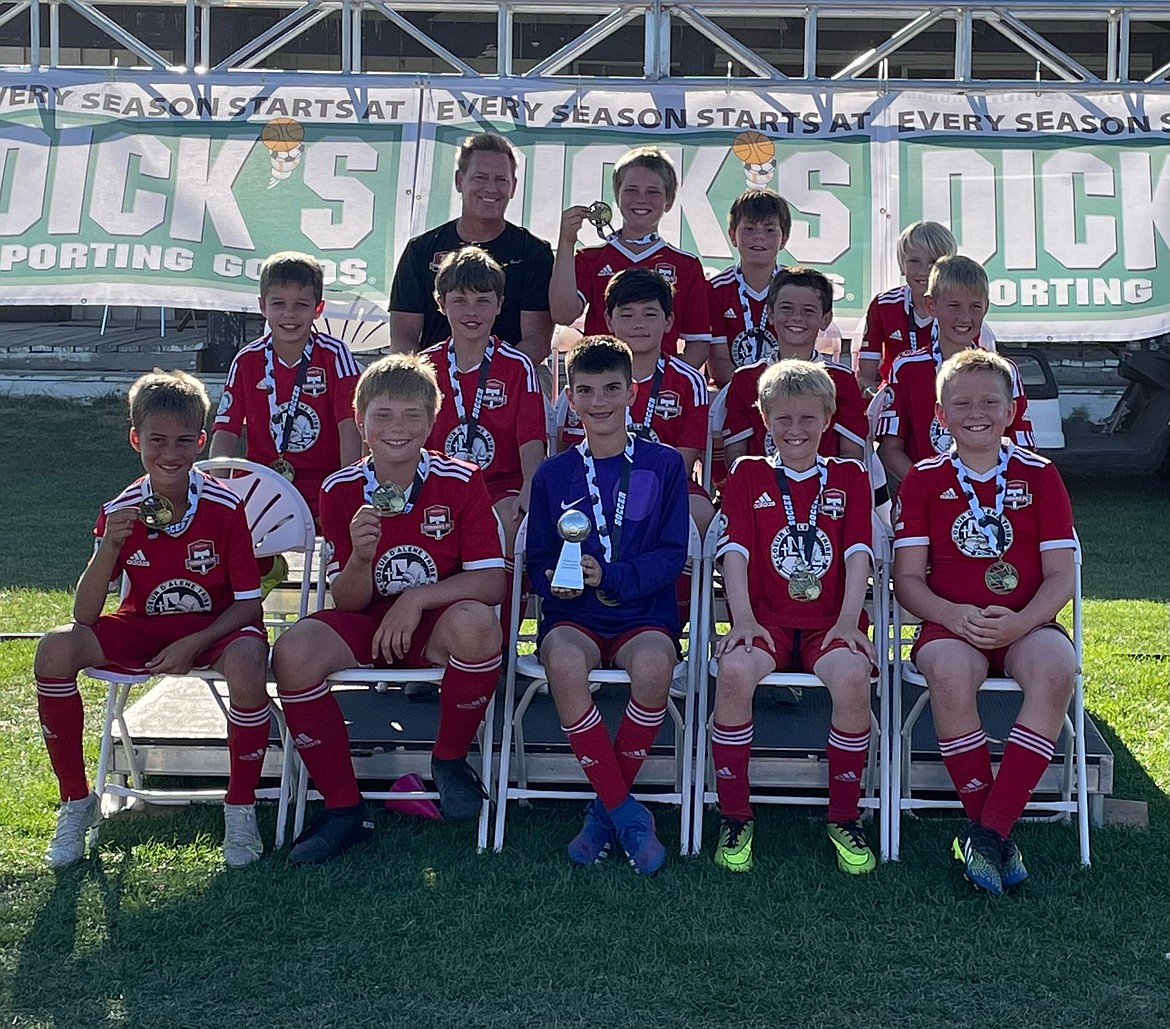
(651, 552)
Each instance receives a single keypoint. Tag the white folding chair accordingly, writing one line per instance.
(1074, 793)
(280, 522)
(716, 415)
(560, 776)
(876, 793)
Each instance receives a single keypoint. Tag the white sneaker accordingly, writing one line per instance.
(241, 839)
(74, 819)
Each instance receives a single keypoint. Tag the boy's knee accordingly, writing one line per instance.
(737, 679)
(478, 624)
(57, 652)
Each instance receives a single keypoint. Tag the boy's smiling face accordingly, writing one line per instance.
(976, 409)
(797, 425)
(395, 428)
(290, 310)
(959, 313)
(168, 446)
(642, 201)
(758, 242)
(640, 324)
(601, 400)
(471, 315)
(797, 317)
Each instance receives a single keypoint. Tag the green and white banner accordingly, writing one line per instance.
(171, 190)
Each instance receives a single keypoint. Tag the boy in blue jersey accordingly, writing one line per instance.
(634, 493)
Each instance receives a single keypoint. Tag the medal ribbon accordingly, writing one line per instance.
(194, 490)
(650, 237)
(991, 527)
(749, 323)
(643, 430)
(485, 367)
(912, 324)
(290, 415)
(610, 539)
(806, 539)
(420, 476)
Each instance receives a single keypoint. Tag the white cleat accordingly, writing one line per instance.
(74, 819)
(241, 839)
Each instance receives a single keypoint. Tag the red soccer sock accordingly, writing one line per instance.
(318, 732)
(731, 749)
(590, 742)
(968, 762)
(59, 709)
(846, 752)
(635, 736)
(247, 745)
(1025, 757)
(464, 695)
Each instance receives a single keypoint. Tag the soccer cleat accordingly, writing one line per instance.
(331, 834)
(1011, 864)
(979, 850)
(74, 819)
(734, 849)
(593, 843)
(634, 826)
(461, 792)
(854, 855)
(241, 838)
(275, 575)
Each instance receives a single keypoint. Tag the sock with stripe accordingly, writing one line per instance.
(731, 749)
(1025, 757)
(60, 712)
(635, 736)
(590, 742)
(317, 728)
(968, 762)
(247, 745)
(846, 752)
(464, 695)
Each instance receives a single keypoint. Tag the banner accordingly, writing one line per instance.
(172, 190)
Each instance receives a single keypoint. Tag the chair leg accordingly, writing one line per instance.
(487, 731)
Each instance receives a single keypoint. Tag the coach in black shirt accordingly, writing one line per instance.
(486, 179)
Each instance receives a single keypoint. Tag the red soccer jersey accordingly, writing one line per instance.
(909, 411)
(729, 326)
(757, 527)
(512, 415)
(932, 512)
(201, 570)
(743, 421)
(680, 416)
(595, 266)
(450, 527)
(314, 446)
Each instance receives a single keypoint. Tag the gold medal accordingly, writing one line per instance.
(599, 214)
(156, 511)
(804, 585)
(1001, 577)
(284, 468)
(388, 499)
(607, 600)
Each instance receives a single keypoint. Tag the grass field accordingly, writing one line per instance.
(417, 930)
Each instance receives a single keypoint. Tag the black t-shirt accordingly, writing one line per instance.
(526, 259)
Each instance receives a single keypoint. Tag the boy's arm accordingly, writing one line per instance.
(531, 454)
(352, 588)
(536, 324)
(695, 352)
(178, 657)
(732, 452)
(719, 365)
(744, 627)
(224, 443)
(917, 597)
(94, 585)
(892, 452)
(536, 329)
(406, 329)
(564, 302)
(849, 447)
(350, 442)
(857, 568)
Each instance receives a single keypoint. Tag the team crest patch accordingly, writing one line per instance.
(483, 447)
(667, 272)
(750, 347)
(668, 406)
(1016, 494)
(833, 503)
(787, 551)
(495, 394)
(967, 535)
(437, 522)
(178, 597)
(437, 259)
(402, 567)
(315, 381)
(306, 427)
(201, 557)
(940, 439)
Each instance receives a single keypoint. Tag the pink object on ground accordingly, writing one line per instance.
(408, 806)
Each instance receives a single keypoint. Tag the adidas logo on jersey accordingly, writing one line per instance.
(974, 786)
(605, 273)
(948, 494)
(762, 501)
(303, 741)
(256, 755)
(730, 313)
(138, 560)
(724, 773)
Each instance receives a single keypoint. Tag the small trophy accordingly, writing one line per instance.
(574, 528)
(599, 215)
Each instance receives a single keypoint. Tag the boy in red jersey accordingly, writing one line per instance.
(908, 429)
(193, 601)
(640, 311)
(491, 388)
(415, 566)
(645, 185)
(796, 559)
(800, 305)
(292, 389)
(758, 225)
(985, 556)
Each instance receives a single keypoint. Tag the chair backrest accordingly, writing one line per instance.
(559, 415)
(277, 515)
(357, 333)
(716, 414)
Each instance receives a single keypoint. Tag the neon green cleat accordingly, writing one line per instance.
(734, 849)
(274, 576)
(854, 855)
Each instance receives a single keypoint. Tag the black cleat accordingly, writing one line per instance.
(461, 792)
(331, 834)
